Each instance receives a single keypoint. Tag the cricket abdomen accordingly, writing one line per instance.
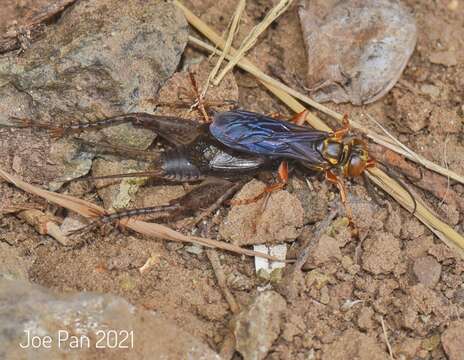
(178, 166)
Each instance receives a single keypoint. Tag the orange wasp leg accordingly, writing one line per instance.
(282, 181)
(297, 119)
(370, 163)
(343, 131)
(332, 178)
(300, 118)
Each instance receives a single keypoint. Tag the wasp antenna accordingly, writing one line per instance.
(395, 177)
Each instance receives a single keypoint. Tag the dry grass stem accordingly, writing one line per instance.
(44, 225)
(251, 38)
(410, 154)
(381, 179)
(228, 44)
(93, 211)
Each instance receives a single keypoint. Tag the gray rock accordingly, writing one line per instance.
(26, 308)
(102, 58)
(12, 265)
(75, 161)
(258, 326)
(120, 193)
(427, 270)
(194, 249)
(357, 49)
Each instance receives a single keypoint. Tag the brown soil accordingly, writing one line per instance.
(385, 273)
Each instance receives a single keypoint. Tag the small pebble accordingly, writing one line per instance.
(446, 58)
(427, 270)
(194, 249)
(325, 297)
(258, 326)
(453, 5)
(431, 90)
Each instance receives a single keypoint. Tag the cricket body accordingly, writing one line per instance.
(239, 142)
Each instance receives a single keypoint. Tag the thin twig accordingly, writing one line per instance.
(287, 286)
(280, 90)
(399, 143)
(221, 279)
(305, 251)
(384, 328)
(251, 38)
(228, 346)
(445, 160)
(425, 179)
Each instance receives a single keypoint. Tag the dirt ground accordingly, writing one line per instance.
(400, 276)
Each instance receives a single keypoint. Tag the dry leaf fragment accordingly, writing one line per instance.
(357, 49)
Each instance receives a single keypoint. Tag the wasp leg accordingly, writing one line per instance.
(282, 182)
(344, 130)
(371, 163)
(300, 118)
(332, 178)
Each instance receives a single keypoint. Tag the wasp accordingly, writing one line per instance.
(234, 144)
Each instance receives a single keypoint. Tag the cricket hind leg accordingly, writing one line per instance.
(203, 196)
(175, 130)
(123, 151)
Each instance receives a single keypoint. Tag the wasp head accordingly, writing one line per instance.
(357, 158)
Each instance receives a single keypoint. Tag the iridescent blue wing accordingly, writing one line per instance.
(262, 135)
